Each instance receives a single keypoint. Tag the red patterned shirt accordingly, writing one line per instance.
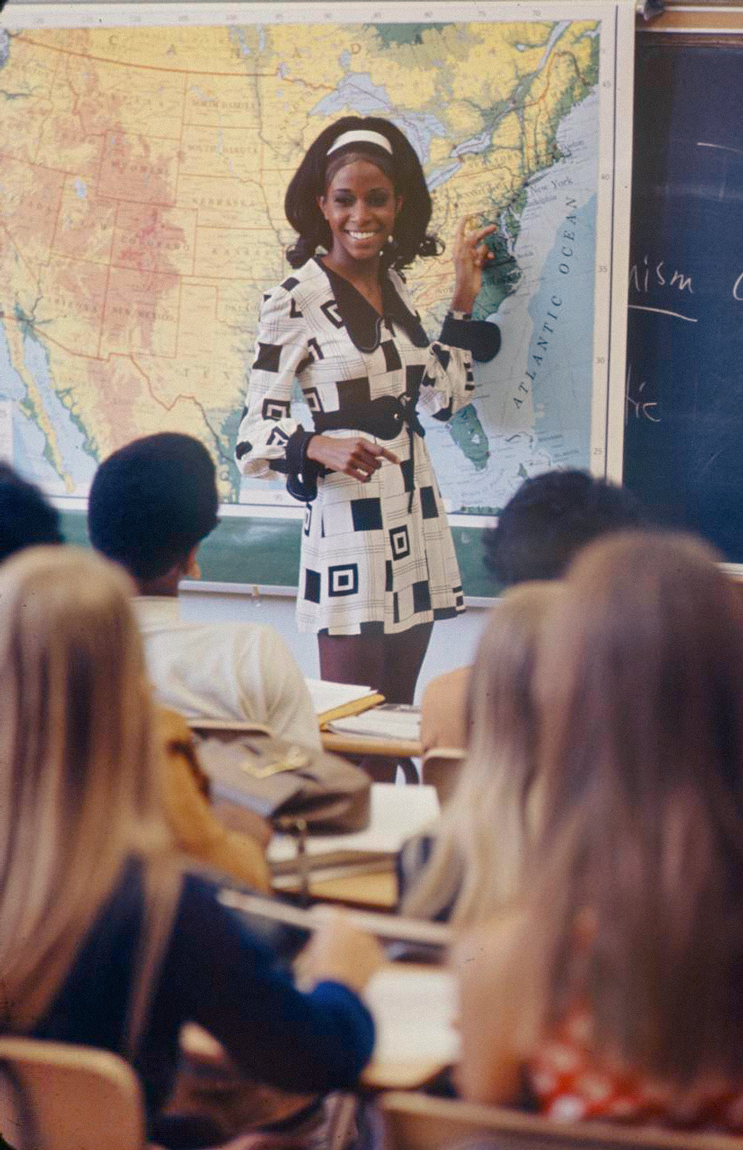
(570, 1084)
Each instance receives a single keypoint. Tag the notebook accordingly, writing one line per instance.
(415, 1010)
(335, 700)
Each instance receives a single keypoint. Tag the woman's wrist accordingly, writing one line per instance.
(462, 302)
(314, 443)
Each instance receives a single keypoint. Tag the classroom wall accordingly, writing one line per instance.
(453, 642)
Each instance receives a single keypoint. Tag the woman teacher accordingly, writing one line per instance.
(378, 563)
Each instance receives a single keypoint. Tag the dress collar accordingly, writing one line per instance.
(362, 321)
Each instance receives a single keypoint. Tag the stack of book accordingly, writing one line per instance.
(397, 814)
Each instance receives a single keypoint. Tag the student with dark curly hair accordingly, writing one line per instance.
(550, 518)
(151, 504)
(26, 519)
(378, 563)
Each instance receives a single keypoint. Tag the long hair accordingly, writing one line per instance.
(79, 769)
(636, 910)
(410, 237)
(478, 858)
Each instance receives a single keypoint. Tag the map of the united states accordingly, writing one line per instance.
(142, 176)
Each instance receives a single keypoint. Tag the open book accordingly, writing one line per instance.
(397, 813)
(335, 700)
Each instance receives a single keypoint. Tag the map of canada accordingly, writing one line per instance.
(142, 177)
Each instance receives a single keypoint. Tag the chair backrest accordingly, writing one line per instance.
(420, 1122)
(54, 1096)
(441, 768)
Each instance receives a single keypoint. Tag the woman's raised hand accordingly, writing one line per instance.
(351, 455)
(470, 257)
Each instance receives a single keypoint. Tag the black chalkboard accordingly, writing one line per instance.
(683, 453)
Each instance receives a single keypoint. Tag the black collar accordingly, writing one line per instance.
(362, 321)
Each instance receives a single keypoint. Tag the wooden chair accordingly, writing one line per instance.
(416, 1121)
(441, 768)
(54, 1096)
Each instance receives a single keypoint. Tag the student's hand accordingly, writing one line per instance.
(339, 952)
(351, 455)
(470, 257)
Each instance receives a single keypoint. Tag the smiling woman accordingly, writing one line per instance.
(378, 564)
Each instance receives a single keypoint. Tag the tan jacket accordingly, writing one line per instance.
(189, 813)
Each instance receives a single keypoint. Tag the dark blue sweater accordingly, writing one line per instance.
(216, 973)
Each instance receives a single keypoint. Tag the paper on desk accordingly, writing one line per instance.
(414, 1011)
(388, 721)
(396, 814)
(327, 696)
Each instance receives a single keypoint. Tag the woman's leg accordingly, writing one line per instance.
(403, 659)
(353, 659)
(388, 663)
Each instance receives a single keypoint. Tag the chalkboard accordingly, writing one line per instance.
(265, 552)
(683, 453)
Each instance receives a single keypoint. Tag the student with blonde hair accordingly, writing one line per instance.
(102, 940)
(615, 988)
(478, 852)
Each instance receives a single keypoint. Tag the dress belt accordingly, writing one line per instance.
(384, 418)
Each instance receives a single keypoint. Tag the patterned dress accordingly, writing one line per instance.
(376, 556)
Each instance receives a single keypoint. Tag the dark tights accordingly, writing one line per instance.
(388, 663)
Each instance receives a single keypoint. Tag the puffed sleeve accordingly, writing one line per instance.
(447, 382)
(268, 439)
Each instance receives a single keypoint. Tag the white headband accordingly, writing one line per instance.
(360, 136)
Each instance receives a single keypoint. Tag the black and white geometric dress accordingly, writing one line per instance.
(376, 556)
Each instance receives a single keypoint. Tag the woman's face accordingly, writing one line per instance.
(360, 206)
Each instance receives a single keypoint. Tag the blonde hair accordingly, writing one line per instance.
(478, 857)
(635, 892)
(79, 768)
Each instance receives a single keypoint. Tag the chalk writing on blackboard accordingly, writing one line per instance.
(639, 402)
(643, 277)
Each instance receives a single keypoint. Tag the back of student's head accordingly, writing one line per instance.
(480, 852)
(152, 502)
(79, 778)
(549, 519)
(26, 519)
(640, 690)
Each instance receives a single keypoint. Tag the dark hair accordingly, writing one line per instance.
(550, 518)
(152, 501)
(409, 238)
(26, 519)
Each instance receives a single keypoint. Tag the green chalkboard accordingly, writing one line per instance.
(265, 552)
